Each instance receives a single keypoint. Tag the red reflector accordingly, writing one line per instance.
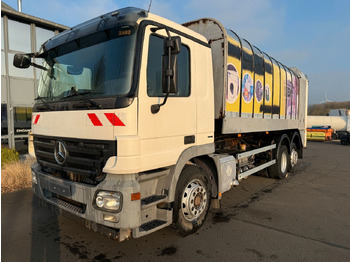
(115, 121)
(36, 119)
(94, 119)
(135, 196)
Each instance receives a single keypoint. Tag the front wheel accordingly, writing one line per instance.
(192, 200)
(280, 169)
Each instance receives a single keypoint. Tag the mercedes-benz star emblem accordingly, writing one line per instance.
(60, 153)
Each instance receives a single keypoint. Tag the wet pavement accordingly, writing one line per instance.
(305, 217)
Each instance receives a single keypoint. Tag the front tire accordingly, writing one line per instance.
(192, 200)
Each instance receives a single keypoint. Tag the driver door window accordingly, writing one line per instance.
(154, 69)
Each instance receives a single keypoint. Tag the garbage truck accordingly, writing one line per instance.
(141, 123)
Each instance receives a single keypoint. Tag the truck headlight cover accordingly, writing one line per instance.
(34, 179)
(108, 201)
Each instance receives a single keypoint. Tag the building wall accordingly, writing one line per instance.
(20, 34)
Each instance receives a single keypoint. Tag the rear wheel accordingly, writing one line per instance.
(280, 169)
(293, 157)
(192, 200)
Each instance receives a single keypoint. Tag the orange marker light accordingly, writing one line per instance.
(135, 196)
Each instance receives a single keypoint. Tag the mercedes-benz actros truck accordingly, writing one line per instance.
(142, 123)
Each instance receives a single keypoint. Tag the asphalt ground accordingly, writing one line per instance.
(305, 217)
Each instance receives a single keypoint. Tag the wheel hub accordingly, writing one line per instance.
(294, 157)
(194, 200)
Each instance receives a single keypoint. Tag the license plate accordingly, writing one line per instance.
(61, 190)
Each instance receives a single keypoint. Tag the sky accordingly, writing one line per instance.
(312, 35)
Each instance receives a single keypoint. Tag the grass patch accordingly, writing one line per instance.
(8, 156)
(16, 175)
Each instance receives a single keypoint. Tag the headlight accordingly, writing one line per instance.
(108, 201)
(34, 179)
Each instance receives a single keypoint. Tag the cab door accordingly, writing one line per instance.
(166, 134)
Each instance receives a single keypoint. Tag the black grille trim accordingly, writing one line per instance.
(86, 158)
(68, 203)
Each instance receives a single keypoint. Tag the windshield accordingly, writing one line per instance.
(99, 65)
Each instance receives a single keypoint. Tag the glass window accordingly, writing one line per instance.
(3, 113)
(154, 69)
(99, 65)
(19, 72)
(42, 35)
(2, 34)
(3, 67)
(19, 36)
(22, 114)
(22, 119)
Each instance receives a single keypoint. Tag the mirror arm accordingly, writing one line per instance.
(38, 66)
(155, 108)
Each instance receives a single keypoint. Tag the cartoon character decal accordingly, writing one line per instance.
(295, 96)
(247, 88)
(289, 97)
(258, 91)
(267, 92)
(232, 84)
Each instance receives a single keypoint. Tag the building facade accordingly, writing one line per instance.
(20, 33)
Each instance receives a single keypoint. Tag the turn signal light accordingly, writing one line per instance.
(135, 196)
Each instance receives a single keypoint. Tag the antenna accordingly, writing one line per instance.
(149, 7)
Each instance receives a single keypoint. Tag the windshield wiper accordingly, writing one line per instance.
(42, 99)
(74, 92)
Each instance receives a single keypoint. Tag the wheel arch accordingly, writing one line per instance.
(296, 139)
(188, 155)
(208, 164)
(283, 140)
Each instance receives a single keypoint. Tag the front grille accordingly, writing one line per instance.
(84, 161)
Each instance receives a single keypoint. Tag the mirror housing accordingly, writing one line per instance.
(174, 43)
(22, 60)
(169, 67)
(172, 47)
(172, 72)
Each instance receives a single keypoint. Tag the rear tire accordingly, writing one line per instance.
(192, 200)
(280, 169)
(293, 157)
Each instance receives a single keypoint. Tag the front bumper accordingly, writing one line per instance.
(77, 199)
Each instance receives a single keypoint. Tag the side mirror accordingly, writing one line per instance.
(22, 60)
(174, 43)
(169, 64)
(169, 72)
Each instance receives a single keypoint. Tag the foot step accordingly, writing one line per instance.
(152, 224)
(151, 199)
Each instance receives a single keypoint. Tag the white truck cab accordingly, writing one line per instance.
(132, 130)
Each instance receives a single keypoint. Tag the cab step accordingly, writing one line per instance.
(152, 225)
(162, 220)
(152, 200)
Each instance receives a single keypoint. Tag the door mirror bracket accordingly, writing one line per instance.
(169, 61)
